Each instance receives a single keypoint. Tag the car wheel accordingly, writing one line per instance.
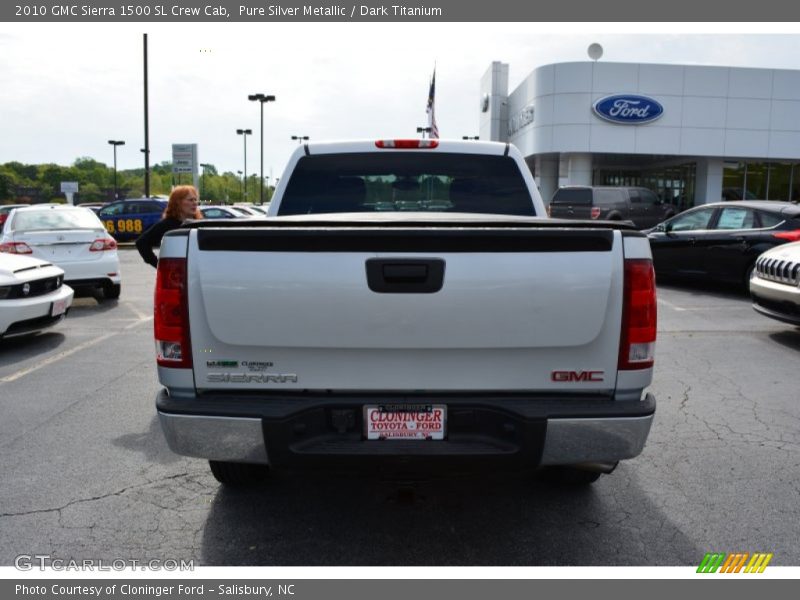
(563, 475)
(112, 291)
(748, 275)
(238, 474)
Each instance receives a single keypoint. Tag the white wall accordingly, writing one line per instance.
(494, 122)
(724, 112)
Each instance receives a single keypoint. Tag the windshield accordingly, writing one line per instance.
(49, 218)
(406, 181)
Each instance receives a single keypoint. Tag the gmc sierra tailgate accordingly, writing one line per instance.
(386, 307)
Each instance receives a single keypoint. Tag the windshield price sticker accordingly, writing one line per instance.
(405, 423)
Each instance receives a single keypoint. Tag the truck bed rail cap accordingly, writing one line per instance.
(414, 219)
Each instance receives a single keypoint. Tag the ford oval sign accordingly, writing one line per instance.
(628, 109)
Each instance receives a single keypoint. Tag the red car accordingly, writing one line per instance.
(6, 209)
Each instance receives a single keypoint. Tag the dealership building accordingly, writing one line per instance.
(692, 134)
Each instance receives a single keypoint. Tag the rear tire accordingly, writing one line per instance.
(238, 474)
(112, 291)
(569, 476)
(748, 275)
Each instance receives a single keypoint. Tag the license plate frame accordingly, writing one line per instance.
(58, 307)
(423, 422)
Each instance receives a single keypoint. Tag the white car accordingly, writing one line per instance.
(72, 238)
(224, 212)
(32, 295)
(775, 285)
(253, 210)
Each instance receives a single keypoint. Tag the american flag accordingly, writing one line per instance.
(434, 129)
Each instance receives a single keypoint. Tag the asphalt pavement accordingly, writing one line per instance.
(86, 473)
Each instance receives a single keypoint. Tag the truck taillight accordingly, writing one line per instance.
(407, 144)
(638, 338)
(171, 324)
(595, 212)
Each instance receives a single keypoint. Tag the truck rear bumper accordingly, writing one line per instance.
(516, 433)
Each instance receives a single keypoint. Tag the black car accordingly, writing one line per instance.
(721, 241)
(636, 204)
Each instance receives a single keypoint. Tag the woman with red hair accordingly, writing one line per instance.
(182, 205)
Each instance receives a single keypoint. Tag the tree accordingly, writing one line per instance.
(8, 181)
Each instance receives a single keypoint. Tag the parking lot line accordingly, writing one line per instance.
(132, 307)
(70, 352)
(670, 305)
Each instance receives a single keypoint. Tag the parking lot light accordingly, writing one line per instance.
(244, 133)
(115, 143)
(261, 99)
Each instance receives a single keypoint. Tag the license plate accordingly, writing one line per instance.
(399, 422)
(59, 307)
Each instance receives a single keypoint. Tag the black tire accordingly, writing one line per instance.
(569, 476)
(747, 275)
(238, 474)
(112, 291)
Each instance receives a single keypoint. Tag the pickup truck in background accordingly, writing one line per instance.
(406, 303)
(635, 204)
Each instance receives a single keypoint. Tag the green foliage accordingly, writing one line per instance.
(19, 182)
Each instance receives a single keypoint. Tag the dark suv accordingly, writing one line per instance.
(636, 204)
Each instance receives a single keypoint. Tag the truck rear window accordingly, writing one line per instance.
(582, 197)
(406, 181)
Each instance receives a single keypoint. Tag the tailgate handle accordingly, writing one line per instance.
(405, 273)
(404, 276)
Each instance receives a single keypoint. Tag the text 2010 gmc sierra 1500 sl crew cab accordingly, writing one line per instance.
(406, 302)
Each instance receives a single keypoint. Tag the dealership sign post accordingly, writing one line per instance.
(69, 188)
(184, 160)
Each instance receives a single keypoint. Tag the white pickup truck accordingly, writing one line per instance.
(406, 302)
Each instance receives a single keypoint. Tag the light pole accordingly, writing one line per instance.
(203, 177)
(423, 131)
(240, 184)
(300, 138)
(470, 137)
(146, 149)
(244, 133)
(115, 143)
(261, 99)
(147, 171)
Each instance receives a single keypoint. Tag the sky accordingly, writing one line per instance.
(65, 90)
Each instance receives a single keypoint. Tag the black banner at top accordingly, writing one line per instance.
(264, 11)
